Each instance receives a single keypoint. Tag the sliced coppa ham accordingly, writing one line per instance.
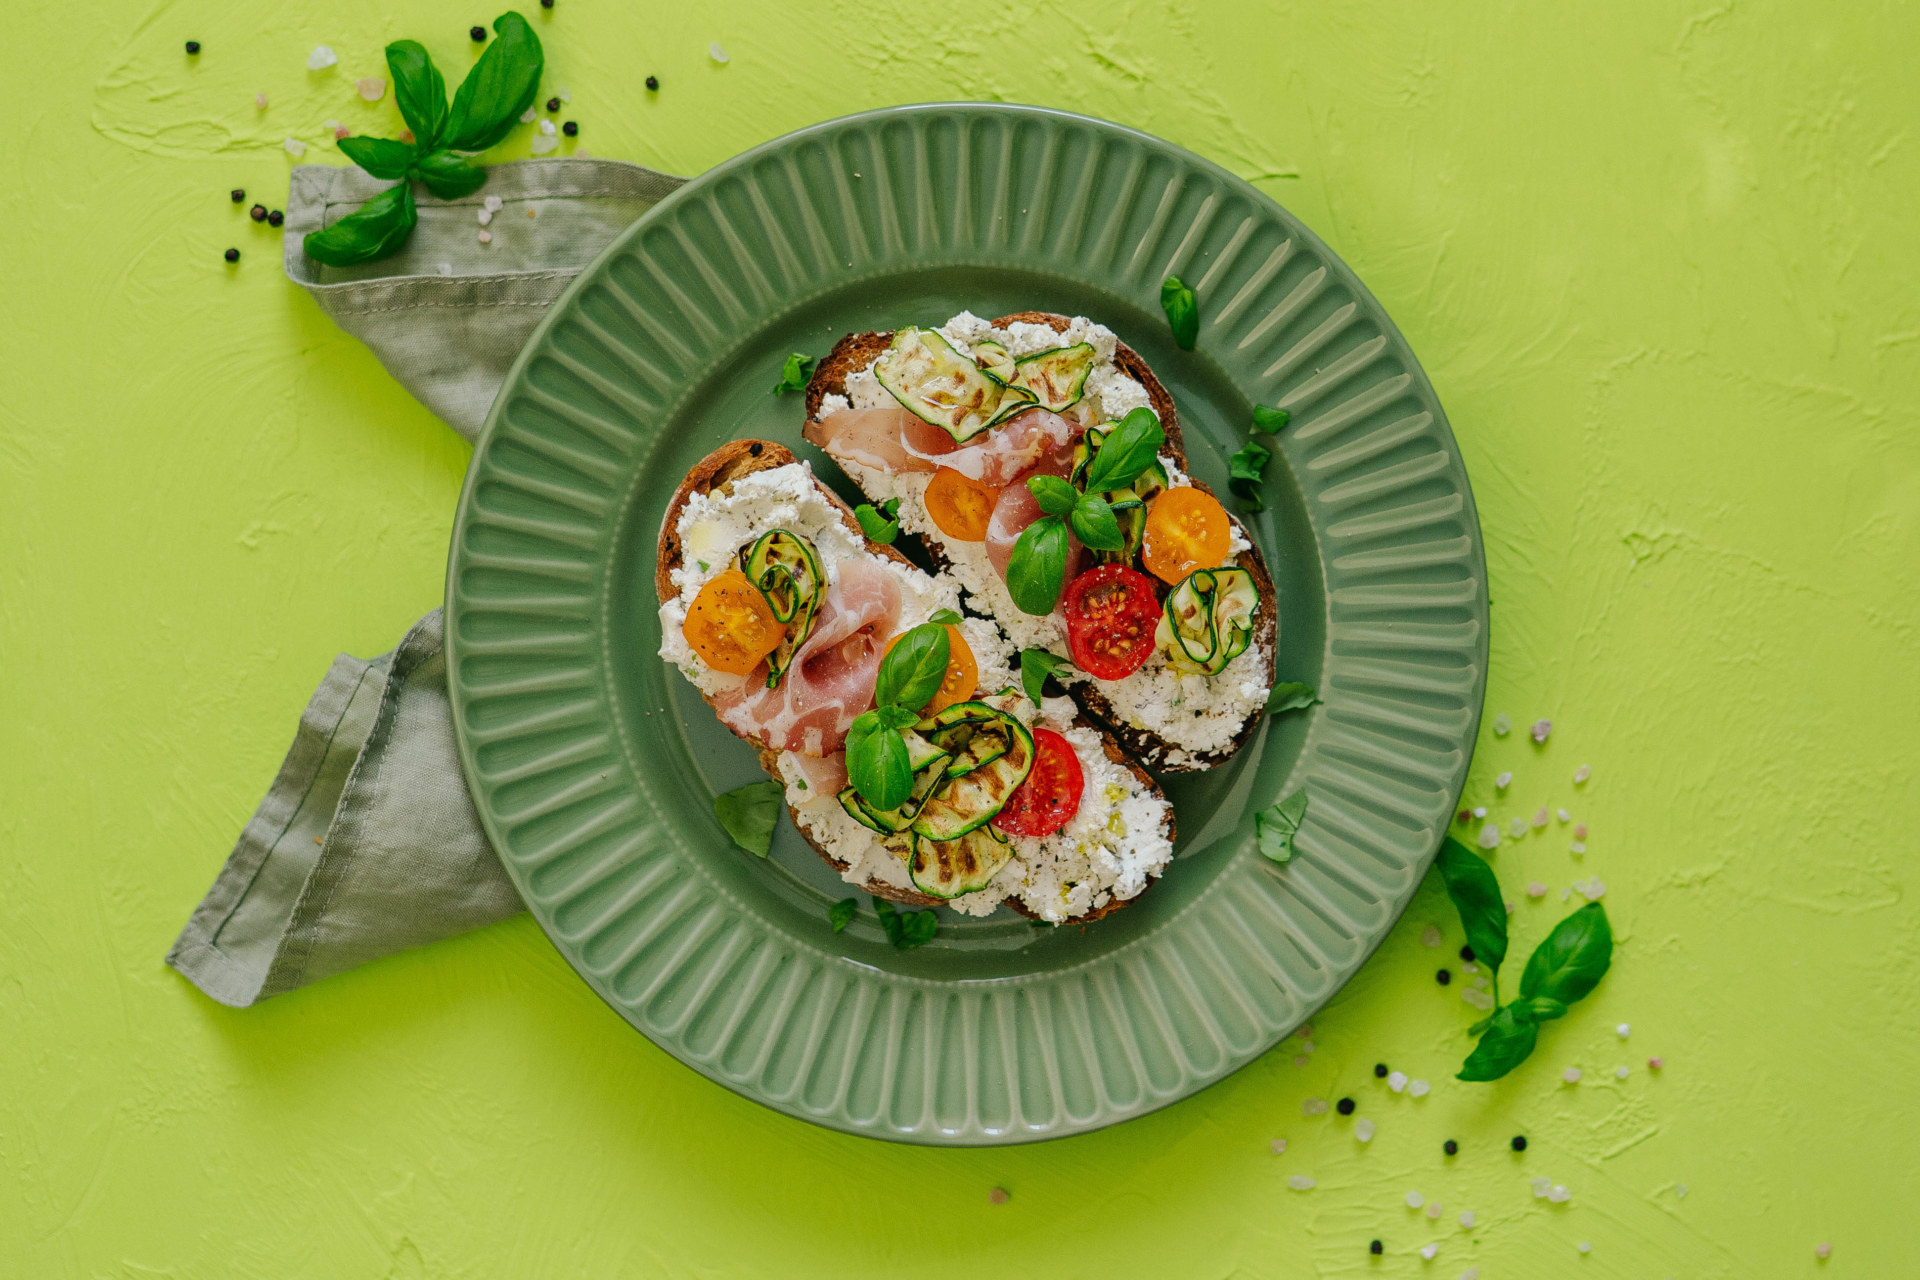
(894, 440)
(1016, 508)
(824, 775)
(831, 680)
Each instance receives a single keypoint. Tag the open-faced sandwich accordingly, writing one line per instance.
(1041, 464)
(910, 761)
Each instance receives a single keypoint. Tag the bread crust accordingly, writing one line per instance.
(857, 350)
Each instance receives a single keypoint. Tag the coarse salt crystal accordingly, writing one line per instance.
(1415, 1199)
(529, 115)
(1578, 848)
(1396, 1080)
(1623, 1030)
(1621, 1073)
(1480, 811)
(546, 127)
(445, 268)
(1433, 1211)
(1300, 1182)
(1428, 1250)
(485, 216)
(715, 52)
(1581, 774)
(1680, 1189)
(1563, 815)
(1476, 997)
(1509, 906)
(1571, 1075)
(1471, 1273)
(1363, 1130)
(1654, 1064)
(321, 58)
(1823, 1250)
(1540, 730)
(295, 147)
(260, 101)
(1468, 966)
(1466, 1220)
(1541, 1186)
(1596, 888)
(543, 143)
(372, 88)
(1314, 1106)
(1503, 781)
(1418, 1089)
(998, 1195)
(1502, 724)
(1559, 1195)
(486, 237)
(1306, 1046)
(1564, 893)
(1580, 831)
(1517, 828)
(1430, 936)
(1480, 982)
(493, 203)
(563, 93)
(1302, 1060)
(1490, 836)
(1540, 818)
(1586, 1246)
(1278, 1146)
(1536, 890)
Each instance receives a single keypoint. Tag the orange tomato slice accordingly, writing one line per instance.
(962, 676)
(1186, 530)
(730, 625)
(960, 507)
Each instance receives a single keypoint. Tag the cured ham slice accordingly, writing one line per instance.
(895, 441)
(1015, 447)
(1017, 508)
(824, 775)
(831, 680)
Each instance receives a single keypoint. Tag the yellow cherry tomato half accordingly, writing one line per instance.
(960, 507)
(1186, 530)
(730, 624)
(962, 676)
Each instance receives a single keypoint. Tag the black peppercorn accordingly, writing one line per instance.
(1443, 977)
(553, 104)
(232, 255)
(239, 194)
(479, 34)
(1344, 1106)
(1375, 1248)
(1452, 1148)
(258, 213)
(275, 218)
(653, 83)
(546, 4)
(193, 46)
(1380, 1071)
(1520, 1142)
(1466, 953)
(571, 128)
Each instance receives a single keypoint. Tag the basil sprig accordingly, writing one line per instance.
(879, 526)
(793, 375)
(1563, 969)
(1036, 570)
(749, 814)
(490, 101)
(1246, 472)
(1183, 311)
(905, 929)
(910, 674)
(1035, 666)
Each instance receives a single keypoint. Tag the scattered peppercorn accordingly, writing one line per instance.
(1520, 1142)
(275, 218)
(1452, 1148)
(571, 128)
(1375, 1248)
(1344, 1106)
(1466, 953)
(546, 4)
(1380, 1071)
(258, 213)
(479, 35)
(1443, 977)
(553, 104)
(653, 83)
(239, 194)
(233, 255)
(1466, 815)
(193, 46)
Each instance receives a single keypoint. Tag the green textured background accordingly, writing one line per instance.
(1659, 261)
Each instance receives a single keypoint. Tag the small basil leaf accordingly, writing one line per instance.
(889, 919)
(1246, 472)
(1183, 311)
(1572, 959)
(1274, 828)
(897, 717)
(911, 672)
(1270, 420)
(877, 764)
(793, 375)
(1094, 524)
(840, 914)
(916, 929)
(1055, 496)
(1038, 566)
(449, 176)
(945, 617)
(876, 526)
(1291, 696)
(380, 157)
(499, 88)
(1132, 447)
(1035, 666)
(1476, 896)
(378, 228)
(420, 91)
(749, 815)
(1503, 1046)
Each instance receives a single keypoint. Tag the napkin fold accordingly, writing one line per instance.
(367, 843)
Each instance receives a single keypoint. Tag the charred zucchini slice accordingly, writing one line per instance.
(938, 384)
(1057, 378)
(973, 733)
(786, 569)
(929, 772)
(995, 360)
(949, 868)
(968, 801)
(1208, 619)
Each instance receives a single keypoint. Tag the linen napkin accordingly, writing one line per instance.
(367, 842)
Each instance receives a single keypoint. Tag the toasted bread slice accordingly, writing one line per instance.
(857, 351)
(740, 458)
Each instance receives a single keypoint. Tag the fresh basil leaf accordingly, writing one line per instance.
(420, 91)
(1246, 472)
(1183, 311)
(1132, 447)
(1270, 420)
(380, 157)
(1094, 524)
(876, 526)
(945, 617)
(1274, 828)
(877, 763)
(1476, 896)
(1291, 696)
(889, 918)
(749, 815)
(1037, 569)
(1055, 496)
(1538, 1009)
(793, 375)
(916, 929)
(499, 88)
(378, 228)
(840, 914)
(911, 672)
(1503, 1046)
(449, 175)
(1572, 959)
(893, 717)
(1035, 666)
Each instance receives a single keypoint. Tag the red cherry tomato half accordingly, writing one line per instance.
(1050, 796)
(1111, 614)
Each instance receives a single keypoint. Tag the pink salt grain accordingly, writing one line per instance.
(1536, 890)
(998, 1196)
(1823, 1250)
(372, 88)
(1655, 1064)
(1579, 831)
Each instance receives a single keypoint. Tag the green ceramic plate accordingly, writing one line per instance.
(594, 766)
